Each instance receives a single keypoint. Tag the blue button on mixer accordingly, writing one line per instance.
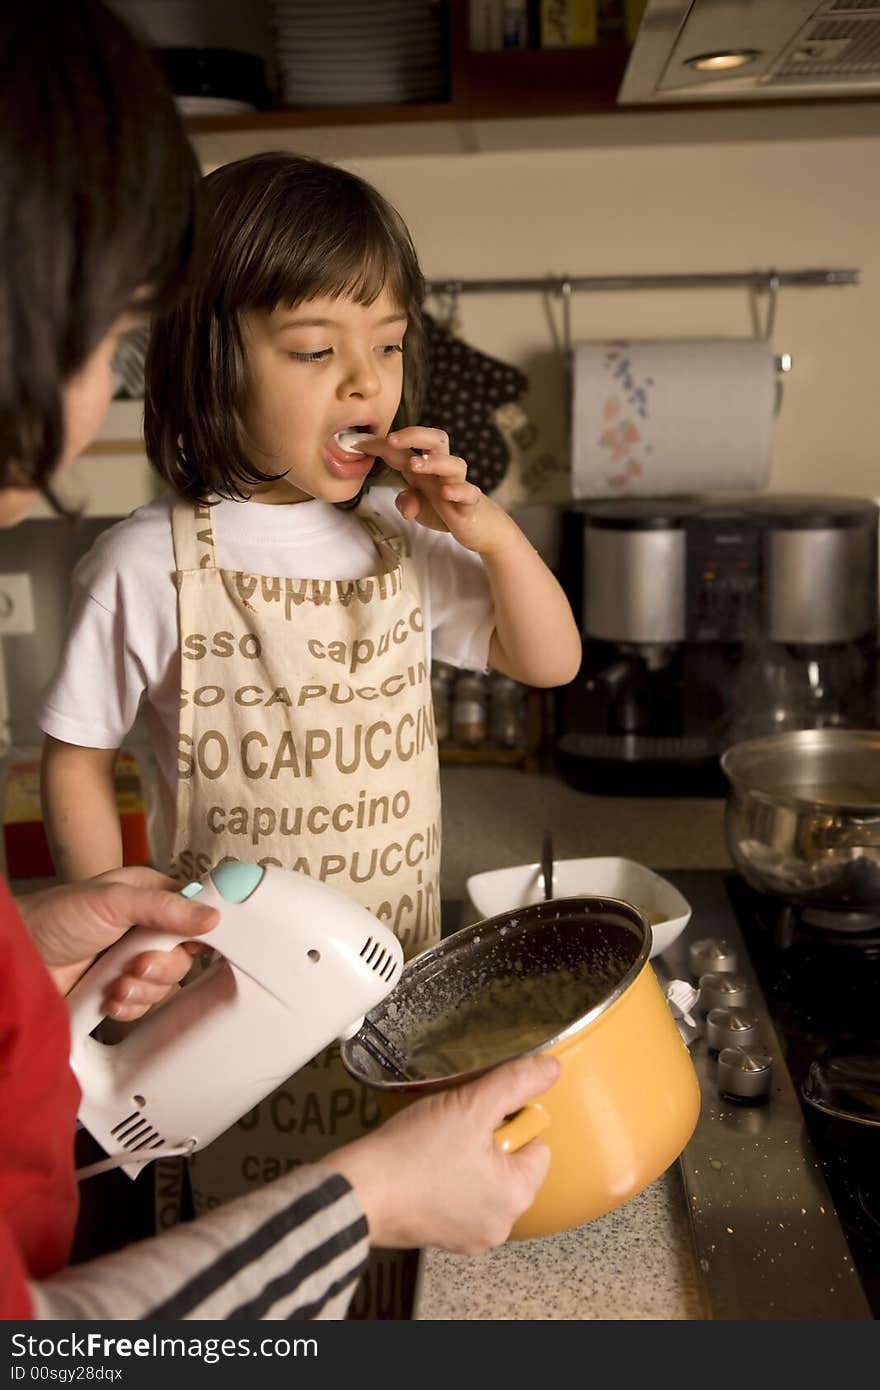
(192, 890)
(235, 881)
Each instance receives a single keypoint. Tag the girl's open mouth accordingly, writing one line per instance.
(343, 458)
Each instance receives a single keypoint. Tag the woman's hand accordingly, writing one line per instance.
(72, 924)
(434, 1174)
(438, 494)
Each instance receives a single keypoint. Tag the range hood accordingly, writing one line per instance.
(753, 50)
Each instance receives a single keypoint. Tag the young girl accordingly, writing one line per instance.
(281, 643)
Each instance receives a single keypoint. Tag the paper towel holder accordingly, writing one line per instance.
(759, 282)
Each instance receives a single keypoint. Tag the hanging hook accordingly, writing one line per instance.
(782, 361)
(565, 295)
(565, 291)
(772, 300)
(447, 294)
(453, 308)
(768, 285)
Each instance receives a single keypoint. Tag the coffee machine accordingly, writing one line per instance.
(709, 620)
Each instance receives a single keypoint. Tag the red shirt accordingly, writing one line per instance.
(38, 1103)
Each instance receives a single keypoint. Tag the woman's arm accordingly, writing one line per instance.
(295, 1249)
(432, 1175)
(79, 809)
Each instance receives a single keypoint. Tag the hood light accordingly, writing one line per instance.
(723, 62)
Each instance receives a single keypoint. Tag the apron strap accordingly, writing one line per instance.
(193, 536)
(390, 543)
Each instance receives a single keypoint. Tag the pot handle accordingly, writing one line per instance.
(521, 1128)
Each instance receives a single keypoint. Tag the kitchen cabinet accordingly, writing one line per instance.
(508, 84)
(482, 85)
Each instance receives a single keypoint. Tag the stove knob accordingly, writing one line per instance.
(721, 990)
(711, 954)
(731, 1028)
(744, 1073)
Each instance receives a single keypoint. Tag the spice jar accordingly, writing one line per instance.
(442, 677)
(506, 697)
(469, 719)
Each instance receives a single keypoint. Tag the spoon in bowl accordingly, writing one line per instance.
(547, 864)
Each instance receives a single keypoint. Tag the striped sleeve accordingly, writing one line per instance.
(292, 1251)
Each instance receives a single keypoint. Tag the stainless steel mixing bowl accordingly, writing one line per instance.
(803, 816)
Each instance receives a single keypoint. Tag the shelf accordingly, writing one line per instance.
(541, 82)
(303, 117)
(531, 754)
(520, 85)
(482, 86)
(516, 82)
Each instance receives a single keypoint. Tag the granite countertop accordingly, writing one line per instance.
(634, 1263)
(637, 1262)
(494, 817)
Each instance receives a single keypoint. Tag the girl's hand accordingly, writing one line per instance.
(438, 494)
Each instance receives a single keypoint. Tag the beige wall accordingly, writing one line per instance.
(722, 195)
(678, 209)
(791, 187)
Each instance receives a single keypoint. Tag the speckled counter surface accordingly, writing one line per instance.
(494, 817)
(634, 1263)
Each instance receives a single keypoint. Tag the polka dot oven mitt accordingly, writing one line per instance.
(464, 387)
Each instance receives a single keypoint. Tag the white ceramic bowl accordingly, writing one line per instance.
(500, 890)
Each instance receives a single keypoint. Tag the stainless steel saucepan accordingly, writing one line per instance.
(803, 816)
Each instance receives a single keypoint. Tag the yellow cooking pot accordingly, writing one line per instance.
(627, 1098)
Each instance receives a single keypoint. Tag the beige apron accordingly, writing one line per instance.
(306, 739)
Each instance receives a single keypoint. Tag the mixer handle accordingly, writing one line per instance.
(85, 1002)
(230, 882)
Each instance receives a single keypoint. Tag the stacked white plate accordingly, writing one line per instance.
(360, 52)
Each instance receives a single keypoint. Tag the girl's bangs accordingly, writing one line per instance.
(359, 268)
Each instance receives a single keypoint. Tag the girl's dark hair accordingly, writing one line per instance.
(97, 198)
(280, 229)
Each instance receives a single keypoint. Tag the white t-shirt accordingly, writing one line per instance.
(121, 652)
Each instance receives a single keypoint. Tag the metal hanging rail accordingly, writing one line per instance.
(767, 282)
(759, 280)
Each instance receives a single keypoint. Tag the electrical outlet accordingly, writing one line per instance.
(16, 604)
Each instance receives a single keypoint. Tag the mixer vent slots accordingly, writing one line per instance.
(378, 959)
(134, 1132)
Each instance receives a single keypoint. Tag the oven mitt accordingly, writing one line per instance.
(535, 473)
(464, 387)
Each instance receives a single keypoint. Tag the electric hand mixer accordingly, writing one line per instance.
(301, 966)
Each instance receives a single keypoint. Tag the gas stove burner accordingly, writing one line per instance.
(846, 1085)
(862, 922)
(786, 925)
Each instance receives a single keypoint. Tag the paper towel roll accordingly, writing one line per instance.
(662, 416)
